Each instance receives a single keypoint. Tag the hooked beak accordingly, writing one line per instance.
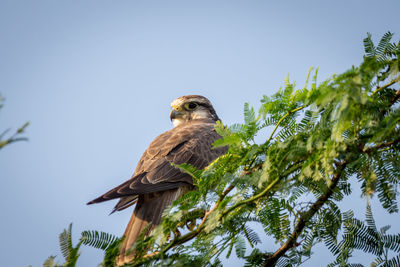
(175, 114)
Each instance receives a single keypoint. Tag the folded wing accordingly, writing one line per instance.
(188, 143)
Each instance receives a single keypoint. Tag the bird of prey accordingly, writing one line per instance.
(156, 183)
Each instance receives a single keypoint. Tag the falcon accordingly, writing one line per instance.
(156, 183)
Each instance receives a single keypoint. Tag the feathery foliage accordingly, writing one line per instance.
(14, 137)
(69, 252)
(365, 236)
(101, 240)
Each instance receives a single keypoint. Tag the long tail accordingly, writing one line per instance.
(149, 209)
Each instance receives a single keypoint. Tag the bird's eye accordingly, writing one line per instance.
(191, 106)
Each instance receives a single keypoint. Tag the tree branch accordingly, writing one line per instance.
(383, 145)
(384, 87)
(306, 217)
(395, 98)
(199, 228)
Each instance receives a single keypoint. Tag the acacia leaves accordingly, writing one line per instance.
(365, 236)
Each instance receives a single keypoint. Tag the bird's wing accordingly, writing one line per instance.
(189, 143)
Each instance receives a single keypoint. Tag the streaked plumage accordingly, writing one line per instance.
(156, 183)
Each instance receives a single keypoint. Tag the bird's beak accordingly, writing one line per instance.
(175, 114)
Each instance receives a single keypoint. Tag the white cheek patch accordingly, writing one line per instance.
(176, 122)
(200, 114)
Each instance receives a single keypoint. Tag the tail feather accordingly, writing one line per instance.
(125, 202)
(149, 209)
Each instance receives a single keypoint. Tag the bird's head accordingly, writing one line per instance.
(191, 107)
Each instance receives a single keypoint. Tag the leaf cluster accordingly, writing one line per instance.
(365, 236)
(100, 240)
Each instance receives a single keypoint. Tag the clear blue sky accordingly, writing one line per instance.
(95, 79)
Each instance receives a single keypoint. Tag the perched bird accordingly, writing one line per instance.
(156, 183)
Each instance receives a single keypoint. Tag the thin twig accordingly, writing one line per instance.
(281, 119)
(384, 87)
(383, 145)
(252, 199)
(200, 227)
